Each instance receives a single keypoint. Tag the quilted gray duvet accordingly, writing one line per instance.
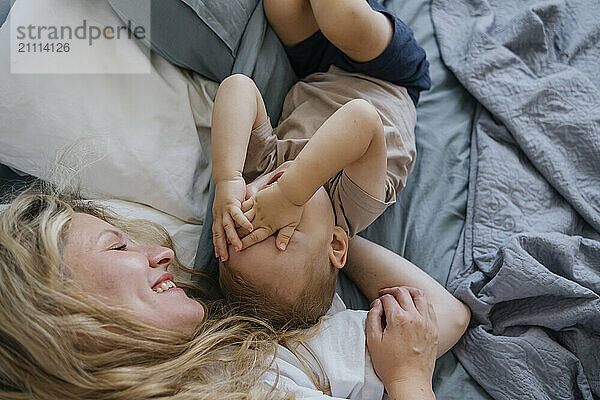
(528, 263)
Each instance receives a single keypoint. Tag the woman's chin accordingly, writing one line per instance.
(182, 316)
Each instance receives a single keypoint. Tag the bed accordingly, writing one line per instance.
(427, 223)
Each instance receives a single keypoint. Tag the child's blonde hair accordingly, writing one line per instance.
(313, 302)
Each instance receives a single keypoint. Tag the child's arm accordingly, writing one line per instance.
(351, 139)
(238, 109)
(374, 268)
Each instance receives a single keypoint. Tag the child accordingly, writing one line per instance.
(349, 156)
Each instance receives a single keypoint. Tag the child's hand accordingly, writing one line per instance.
(229, 195)
(269, 210)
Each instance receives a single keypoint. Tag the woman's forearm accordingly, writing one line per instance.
(373, 267)
(237, 110)
(353, 133)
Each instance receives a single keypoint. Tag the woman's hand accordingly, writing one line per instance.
(270, 211)
(227, 212)
(404, 351)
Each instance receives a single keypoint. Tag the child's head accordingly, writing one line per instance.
(290, 288)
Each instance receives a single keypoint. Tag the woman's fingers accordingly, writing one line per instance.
(421, 302)
(435, 329)
(402, 295)
(374, 328)
(391, 308)
(432, 314)
(241, 219)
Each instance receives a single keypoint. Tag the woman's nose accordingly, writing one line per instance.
(160, 256)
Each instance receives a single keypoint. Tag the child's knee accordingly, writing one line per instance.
(367, 112)
(354, 27)
(292, 20)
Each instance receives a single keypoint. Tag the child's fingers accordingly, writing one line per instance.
(229, 227)
(246, 205)
(258, 235)
(241, 219)
(219, 240)
(284, 236)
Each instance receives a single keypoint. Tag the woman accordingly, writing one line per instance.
(89, 311)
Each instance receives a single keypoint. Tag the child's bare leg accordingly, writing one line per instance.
(353, 27)
(292, 20)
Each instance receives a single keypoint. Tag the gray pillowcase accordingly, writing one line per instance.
(4, 9)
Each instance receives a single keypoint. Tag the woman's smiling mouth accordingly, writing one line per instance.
(164, 286)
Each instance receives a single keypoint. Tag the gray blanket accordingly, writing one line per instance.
(528, 263)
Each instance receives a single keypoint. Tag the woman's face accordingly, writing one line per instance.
(106, 264)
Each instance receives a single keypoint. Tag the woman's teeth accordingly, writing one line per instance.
(164, 286)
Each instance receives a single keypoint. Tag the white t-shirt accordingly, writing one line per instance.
(339, 354)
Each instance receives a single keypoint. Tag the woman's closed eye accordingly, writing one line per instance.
(123, 247)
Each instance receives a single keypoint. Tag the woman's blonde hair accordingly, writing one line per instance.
(47, 325)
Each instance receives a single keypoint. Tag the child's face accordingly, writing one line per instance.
(286, 273)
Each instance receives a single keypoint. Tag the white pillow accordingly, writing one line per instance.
(151, 131)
